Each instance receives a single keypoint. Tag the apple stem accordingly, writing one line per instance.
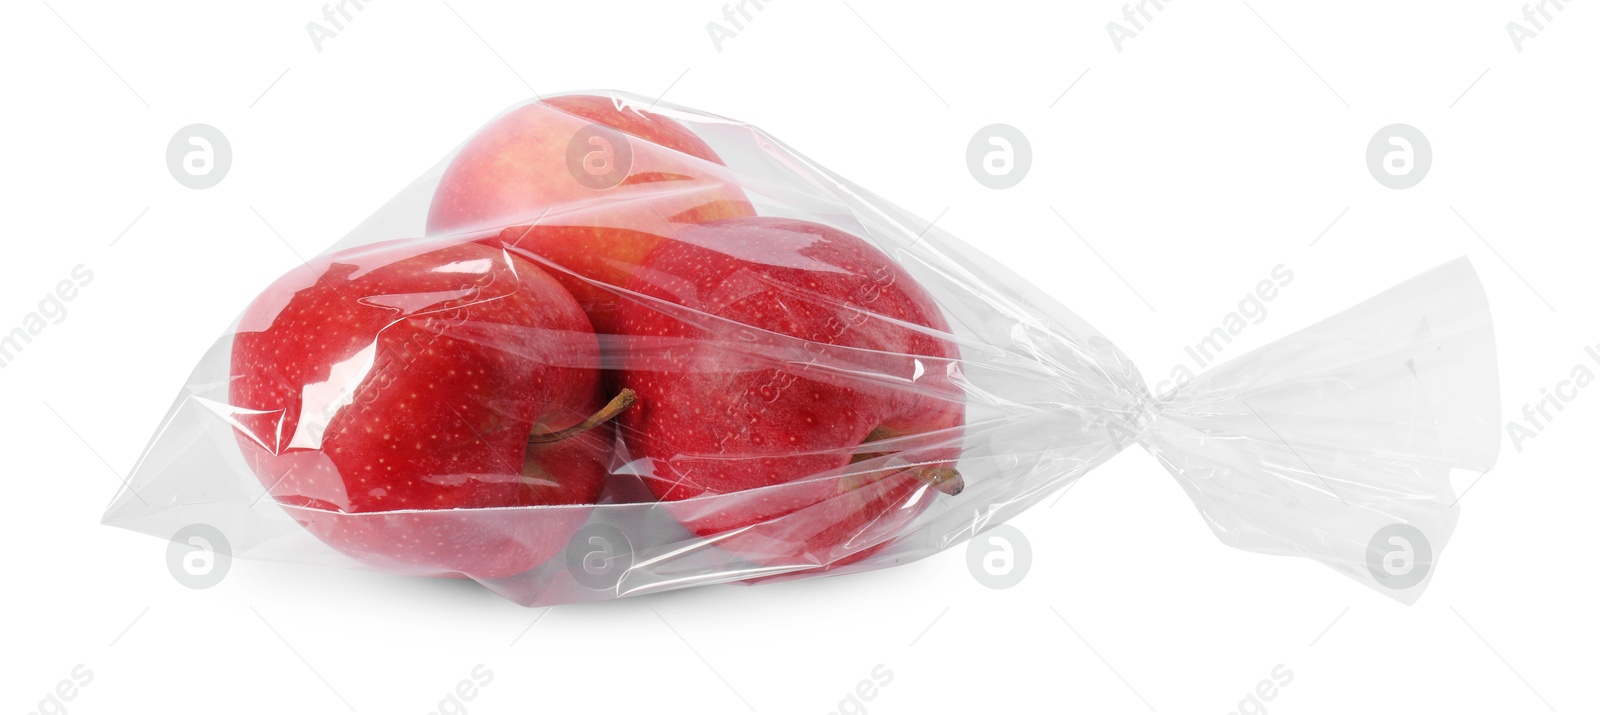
(622, 401)
(944, 478)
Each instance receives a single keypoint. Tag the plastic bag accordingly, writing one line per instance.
(610, 347)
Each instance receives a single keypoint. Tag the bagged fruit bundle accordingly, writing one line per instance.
(609, 347)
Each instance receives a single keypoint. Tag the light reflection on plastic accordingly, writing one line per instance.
(320, 401)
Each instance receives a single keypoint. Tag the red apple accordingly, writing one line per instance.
(796, 391)
(599, 182)
(387, 395)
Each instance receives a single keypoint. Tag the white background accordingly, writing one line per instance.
(1194, 160)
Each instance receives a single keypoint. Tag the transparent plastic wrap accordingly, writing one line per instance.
(610, 347)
